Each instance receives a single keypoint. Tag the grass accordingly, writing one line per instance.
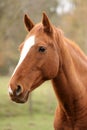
(15, 116)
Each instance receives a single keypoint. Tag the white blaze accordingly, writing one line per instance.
(10, 90)
(27, 45)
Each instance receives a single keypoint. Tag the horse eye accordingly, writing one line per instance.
(42, 49)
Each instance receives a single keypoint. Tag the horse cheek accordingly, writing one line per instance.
(54, 70)
(51, 69)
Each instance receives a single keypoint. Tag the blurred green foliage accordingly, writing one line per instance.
(13, 32)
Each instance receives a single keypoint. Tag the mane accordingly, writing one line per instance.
(76, 48)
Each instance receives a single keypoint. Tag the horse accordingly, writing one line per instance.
(46, 54)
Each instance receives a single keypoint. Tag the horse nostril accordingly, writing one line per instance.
(18, 90)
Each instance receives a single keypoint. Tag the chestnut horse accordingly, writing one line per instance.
(46, 54)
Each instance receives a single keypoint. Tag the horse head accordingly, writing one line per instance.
(39, 59)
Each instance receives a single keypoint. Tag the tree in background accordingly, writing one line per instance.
(74, 24)
(72, 20)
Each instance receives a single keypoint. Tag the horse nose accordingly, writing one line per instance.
(17, 91)
(10, 90)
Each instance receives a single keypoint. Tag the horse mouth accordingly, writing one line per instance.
(21, 98)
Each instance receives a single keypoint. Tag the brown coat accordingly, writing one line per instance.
(56, 58)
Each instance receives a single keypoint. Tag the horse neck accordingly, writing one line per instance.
(68, 87)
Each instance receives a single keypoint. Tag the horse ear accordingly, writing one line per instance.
(46, 23)
(28, 23)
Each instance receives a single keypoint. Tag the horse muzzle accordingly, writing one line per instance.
(18, 95)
